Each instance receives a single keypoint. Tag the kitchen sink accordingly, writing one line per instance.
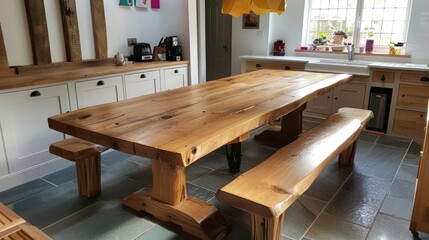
(354, 67)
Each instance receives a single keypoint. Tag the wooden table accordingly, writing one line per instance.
(176, 128)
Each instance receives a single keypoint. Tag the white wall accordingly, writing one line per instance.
(289, 26)
(146, 25)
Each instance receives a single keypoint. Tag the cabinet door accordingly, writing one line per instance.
(23, 118)
(99, 91)
(143, 83)
(349, 95)
(321, 104)
(175, 78)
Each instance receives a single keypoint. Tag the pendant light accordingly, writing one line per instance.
(239, 7)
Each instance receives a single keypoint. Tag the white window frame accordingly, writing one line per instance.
(356, 34)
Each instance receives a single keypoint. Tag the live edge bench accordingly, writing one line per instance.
(268, 189)
(13, 227)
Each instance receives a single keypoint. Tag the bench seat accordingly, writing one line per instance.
(14, 227)
(87, 156)
(268, 189)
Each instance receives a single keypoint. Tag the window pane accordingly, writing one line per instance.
(402, 4)
(400, 13)
(398, 27)
(315, 15)
(367, 14)
(377, 14)
(387, 27)
(390, 3)
(324, 4)
(379, 4)
(389, 14)
(333, 3)
(342, 3)
(316, 4)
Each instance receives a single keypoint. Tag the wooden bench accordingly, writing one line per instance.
(268, 189)
(87, 156)
(13, 226)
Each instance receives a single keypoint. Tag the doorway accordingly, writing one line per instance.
(218, 41)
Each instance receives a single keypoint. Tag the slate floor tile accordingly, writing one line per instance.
(114, 188)
(368, 137)
(415, 148)
(195, 171)
(232, 212)
(214, 161)
(402, 189)
(397, 207)
(387, 227)
(370, 186)
(354, 207)
(52, 205)
(200, 193)
(412, 159)
(214, 180)
(113, 157)
(300, 215)
(157, 232)
(407, 172)
(62, 176)
(257, 154)
(398, 142)
(25, 190)
(332, 228)
(100, 221)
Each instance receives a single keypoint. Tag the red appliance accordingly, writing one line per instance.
(279, 48)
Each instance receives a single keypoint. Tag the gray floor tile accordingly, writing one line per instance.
(214, 161)
(354, 207)
(141, 160)
(394, 141)
(412, 159)
(198, 192)
(257, 154)
(24, 191)
(397, 207)
(195, 171)
(52, 205)
(407, 172)
(402, 189)
(381, 162)
(214, 180)
(62, 176)
(415, 148)
(113, 157)
(100, 221)
(114, 188)
(232, 212)
(387, 227)
(239, 230)
(368, 137)
(157, 232)
(332, 228)
(300, 215)
(370, 186)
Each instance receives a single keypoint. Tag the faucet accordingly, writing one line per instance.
(350, 51)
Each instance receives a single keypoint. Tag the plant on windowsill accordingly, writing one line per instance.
(339, 37)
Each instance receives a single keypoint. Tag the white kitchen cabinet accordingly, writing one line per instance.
(175, 78)
(348, 95)
(24, 125)
(4, 169)
(99, 91)
(143, 83)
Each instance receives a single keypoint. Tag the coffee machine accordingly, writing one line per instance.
(173, 50)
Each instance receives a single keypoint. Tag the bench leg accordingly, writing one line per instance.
(233, 154)
(267, 229)
(88, 176)
(347, 157)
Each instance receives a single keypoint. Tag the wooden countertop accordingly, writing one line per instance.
(60, 72)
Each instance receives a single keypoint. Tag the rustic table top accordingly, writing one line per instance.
(182, 125)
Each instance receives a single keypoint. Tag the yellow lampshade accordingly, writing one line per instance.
(239, 7)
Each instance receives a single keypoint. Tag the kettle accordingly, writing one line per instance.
(119, 59)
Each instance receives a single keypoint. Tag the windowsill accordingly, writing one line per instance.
(376, 54)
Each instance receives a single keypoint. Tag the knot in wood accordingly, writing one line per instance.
(278, 189)
(85, 116)
(166, 117)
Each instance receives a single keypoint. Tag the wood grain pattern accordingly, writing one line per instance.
(3, 55)
(268, 189)
(99, 28)
(420, 213)
(60, 72)
(8, 218)
(24, 231)
(413, 96)
(182, 125)
(195, 216)
(71, 30)
(88, 163)
(38, 29)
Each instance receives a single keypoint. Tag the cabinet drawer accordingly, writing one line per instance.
(99, 91)
(256, 65)
(383, 76)
(413, 96)
(415, 77)
(409, 123)
(142, 83)
(175, 78)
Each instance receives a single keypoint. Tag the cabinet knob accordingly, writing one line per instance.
(287, 67)
(258, 65)
(100, 83)
(336, 98)
(176, 71)
(329, 97)
(424, 79)
(403, 95)
(143, 76)
(35, 94)
(382, 78)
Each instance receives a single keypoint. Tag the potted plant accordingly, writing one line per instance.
(339, 36)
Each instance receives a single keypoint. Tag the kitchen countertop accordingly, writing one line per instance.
(354, 67)
(61, 72)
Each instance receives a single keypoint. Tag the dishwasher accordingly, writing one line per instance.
(379, 104)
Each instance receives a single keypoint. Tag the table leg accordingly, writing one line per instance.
(233, 154)
(167, 200)
(291, 128)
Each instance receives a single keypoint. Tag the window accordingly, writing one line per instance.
(384, 21)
